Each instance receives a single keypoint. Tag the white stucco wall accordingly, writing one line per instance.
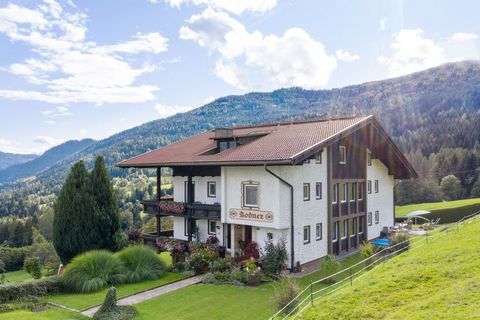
(179, 232)
(381, 201)
(200, 189)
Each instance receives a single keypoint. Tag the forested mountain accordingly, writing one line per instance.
(10, 159)
(45, 161)
(424, 112)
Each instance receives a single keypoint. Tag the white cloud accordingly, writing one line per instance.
(234, 6)
(463, 36)
(256, 61)
(83, 132)
(166, 111)
(8, 146)
(208, 100)
(412, 52)
(346, 56)
(382, 24)
(68, 68)
(47, 140)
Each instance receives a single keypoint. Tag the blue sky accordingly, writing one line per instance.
(77, 69)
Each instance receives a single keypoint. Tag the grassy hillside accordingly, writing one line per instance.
(402, 211)
(440, 280)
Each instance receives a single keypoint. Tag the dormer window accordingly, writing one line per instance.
(226, 144)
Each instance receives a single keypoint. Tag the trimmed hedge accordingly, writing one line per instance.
(449, 215)
(25, 289)
(13, 257)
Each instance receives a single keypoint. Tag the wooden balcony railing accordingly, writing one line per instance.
(197, 210)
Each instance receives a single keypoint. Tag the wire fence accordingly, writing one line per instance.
(329, 284)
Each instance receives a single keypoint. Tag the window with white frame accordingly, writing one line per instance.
(211, 189)
(369, 186)
(353, 191)
(360, 191)
(250, 195)
(318, 190)
(369, 218)
(369, 158)
(377, 217)
(306, 234)
(360, 224)
(306, 191)
(342, 155)
(212, 227)
(344, 229)
(343, 192)
(318, 157)
(335, 232)
(318, 231)
(353, 226)
(376, 186)
(335, 193)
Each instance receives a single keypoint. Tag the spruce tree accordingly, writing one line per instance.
(74, 223)
(107, 215)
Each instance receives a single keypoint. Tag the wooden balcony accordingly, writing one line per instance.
(196, 210)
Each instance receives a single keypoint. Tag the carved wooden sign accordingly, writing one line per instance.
(252, 215)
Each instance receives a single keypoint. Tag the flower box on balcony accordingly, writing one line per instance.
(172, 207)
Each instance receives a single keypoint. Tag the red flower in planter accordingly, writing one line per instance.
(172, 206)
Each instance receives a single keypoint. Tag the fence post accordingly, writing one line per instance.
(311, 293)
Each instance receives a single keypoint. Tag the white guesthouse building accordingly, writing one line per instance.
(324, 185)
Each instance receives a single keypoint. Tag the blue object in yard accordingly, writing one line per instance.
(385, 242)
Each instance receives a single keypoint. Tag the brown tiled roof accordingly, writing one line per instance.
(283, 143)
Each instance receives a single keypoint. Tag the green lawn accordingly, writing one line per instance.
(81, 301)
(50, 314)
(440, 280)
(16, 276)
(402, 211)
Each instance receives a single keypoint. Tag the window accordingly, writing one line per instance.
(186, 191)
(360, 225)
(306, 234)
(335, 232)
(306, 191)
(369, 218)
(344, 229)
(360, 191)
(353, 226)
(342, 155)
(318, 190)
(343, 192)
(377, 217)
(369, 158)
(318, 157)
(369, 186)
(250, 195)
(376, 186)
(211, 189)
(335, 193)
(212, 227)
(318, 231)
(353, 191)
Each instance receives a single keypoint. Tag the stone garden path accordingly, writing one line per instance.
(149, 294)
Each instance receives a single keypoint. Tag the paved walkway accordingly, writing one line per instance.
(149, 294)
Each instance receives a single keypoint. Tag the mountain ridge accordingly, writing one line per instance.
(8, 159)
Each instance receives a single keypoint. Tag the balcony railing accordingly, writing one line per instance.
(197, 210)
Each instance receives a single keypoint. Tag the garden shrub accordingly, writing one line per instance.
(179, 267)
(398, 238)
(329, 265)
(2, 272)
(141, 263)
(209, 278)
(222, 277)
(44, 250)
(286, 290)
(274, 257)
(92, 271)
(239, 275)
(33, 267)
(13, 257)
(111, 311)
(24, 289)
(222, 265)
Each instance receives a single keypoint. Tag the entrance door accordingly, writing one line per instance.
(247, 234)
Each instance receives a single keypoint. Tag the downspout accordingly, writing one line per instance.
(292, 231)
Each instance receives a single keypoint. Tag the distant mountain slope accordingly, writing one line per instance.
(427, 110)
(45, 161)
(10, 159)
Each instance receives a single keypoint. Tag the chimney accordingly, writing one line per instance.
(223, 133)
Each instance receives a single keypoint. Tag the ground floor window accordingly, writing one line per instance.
(353, 226)
(344, 229)
(360, 225)
(318, 231)
(369, 218)
(377, 217)
(335, 232)
(212, 227)
(306, 234)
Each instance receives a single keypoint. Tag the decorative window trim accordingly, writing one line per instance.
(342, 153)
(376, 186)
(306, 196)
(369, 218)
(250, 183)
(318, 231)
(209, 225)
(210, 195)
(318, 190)
(377, 217)
(306, 228)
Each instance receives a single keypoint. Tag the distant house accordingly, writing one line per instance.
(324, 185)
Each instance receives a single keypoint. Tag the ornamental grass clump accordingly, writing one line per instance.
(286, 290)
(141, 263)
(93, 270)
